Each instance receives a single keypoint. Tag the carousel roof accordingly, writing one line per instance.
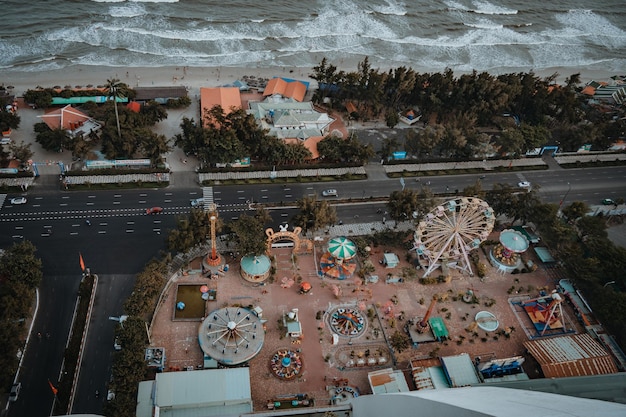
(255, 264)
(231, 335)
(341, 248)
(513, 240)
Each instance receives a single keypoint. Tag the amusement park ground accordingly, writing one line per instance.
(323, 362)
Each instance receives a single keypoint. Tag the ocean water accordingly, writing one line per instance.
(485, 35)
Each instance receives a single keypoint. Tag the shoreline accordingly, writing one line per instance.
(195, 77)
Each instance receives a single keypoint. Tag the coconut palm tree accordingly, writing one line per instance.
(115, 90)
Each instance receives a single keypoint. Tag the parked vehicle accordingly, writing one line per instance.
(608, 202)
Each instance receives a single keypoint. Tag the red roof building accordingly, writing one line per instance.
(228, 98)
(292, 89)
(70, 119)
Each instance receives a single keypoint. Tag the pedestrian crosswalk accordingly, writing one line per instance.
(207, 196)
(3, 197)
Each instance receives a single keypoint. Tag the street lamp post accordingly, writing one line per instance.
(569, 188)
(608, 283)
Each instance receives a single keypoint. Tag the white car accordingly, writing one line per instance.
(197, 202)
(5, 141)
(329, 193)
(523, 184)
(18, 200)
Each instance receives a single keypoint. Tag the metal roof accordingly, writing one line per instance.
(387, 380)
(216, 389)
(574, 355)
(460, 370)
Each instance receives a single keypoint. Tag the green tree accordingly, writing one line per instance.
(51, 140)
(399, 341)
(115, 90)
(402, 204)
(575, 210)
(314, 214)
(21, 151)
(249, 233)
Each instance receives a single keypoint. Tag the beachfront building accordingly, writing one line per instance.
(292, 121)
(72, 120)
(228, 98)
(159, 94)
(285, 88)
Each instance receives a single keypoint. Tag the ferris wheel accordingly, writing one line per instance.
(450, 231)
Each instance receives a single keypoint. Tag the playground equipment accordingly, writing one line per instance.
(450, 231)
(545, 312)
(422, 325)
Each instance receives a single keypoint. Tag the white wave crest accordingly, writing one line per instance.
(391, 8)
(484, 7)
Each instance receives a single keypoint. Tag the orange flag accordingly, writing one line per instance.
(54, 390)
(82, 263)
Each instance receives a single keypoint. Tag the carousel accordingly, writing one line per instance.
(506, 254)
(339, 261)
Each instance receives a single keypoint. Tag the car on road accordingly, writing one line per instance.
(197, 202)
(524, 184)
(116, 344)
(15, 392)
(608, 202)
(5, 141)
(154, 210)
(18, 200)
(329, 193)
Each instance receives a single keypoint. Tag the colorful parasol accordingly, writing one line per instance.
(342, 248)
(204, 289)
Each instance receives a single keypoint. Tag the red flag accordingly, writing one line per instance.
(54, 390)
(82, 263)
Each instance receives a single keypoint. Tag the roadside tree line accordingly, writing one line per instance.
(509, 113)
(20, 275)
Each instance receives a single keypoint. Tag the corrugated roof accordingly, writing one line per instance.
(387, 380)
(201, 389)
(460, 370)
(574, 355)
(153, 93)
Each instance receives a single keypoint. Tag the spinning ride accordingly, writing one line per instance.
(231, 335)
(286, 364)
(506, 253)
(339, 261)
(450, 231)
(347, 321)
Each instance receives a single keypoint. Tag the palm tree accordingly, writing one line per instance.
(115, 90)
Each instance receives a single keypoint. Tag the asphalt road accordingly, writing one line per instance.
(122, 239)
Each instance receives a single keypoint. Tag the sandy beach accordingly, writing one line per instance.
(195, 77)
